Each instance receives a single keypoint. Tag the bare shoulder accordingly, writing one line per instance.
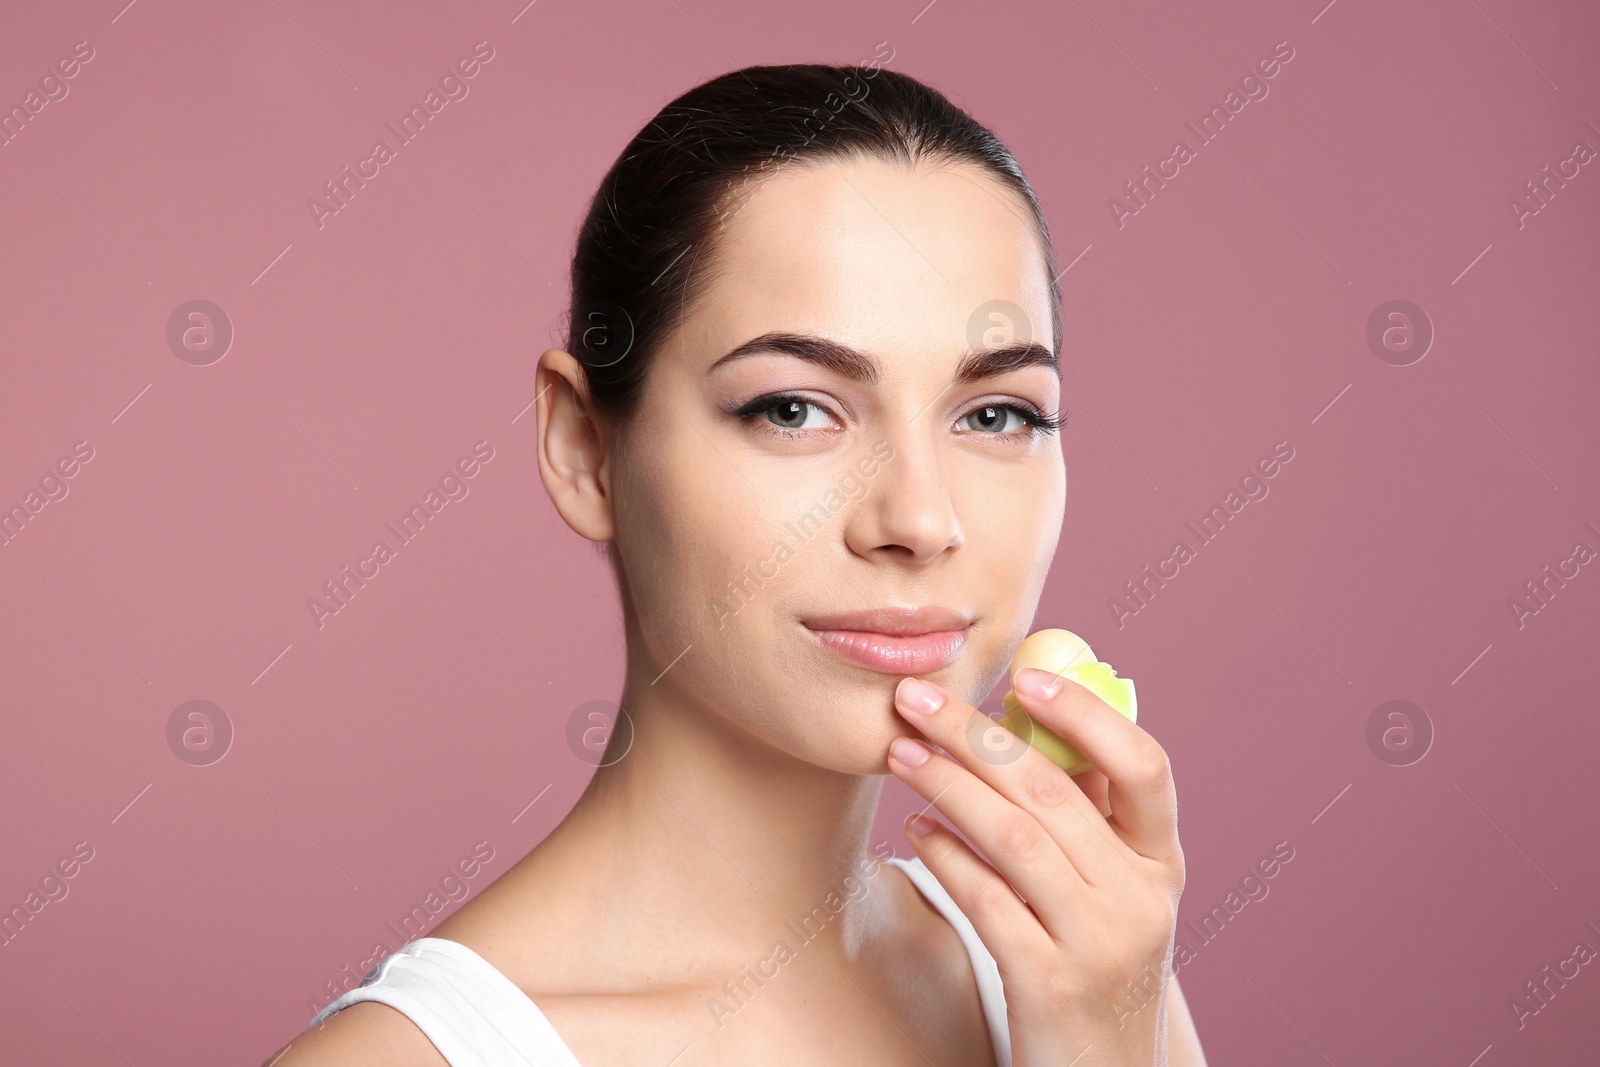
(364, 1033)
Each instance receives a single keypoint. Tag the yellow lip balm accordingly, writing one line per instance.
(1064, 653)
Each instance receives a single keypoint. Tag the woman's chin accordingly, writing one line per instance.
(862, 749)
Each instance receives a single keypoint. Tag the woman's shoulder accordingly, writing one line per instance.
(363, 1033)
(435, 1001)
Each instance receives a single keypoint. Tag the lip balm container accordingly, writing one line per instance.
(1064, 653)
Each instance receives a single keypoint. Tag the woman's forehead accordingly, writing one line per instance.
(874, 253)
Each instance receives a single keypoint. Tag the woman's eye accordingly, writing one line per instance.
(792, 413)
(996, 418)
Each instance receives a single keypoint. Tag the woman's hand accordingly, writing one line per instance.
(1080, 905)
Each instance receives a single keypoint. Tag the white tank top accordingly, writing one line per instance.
(477, 1017)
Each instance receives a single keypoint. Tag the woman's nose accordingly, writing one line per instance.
(908, 510)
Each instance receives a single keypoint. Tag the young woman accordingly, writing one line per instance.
(808, 405)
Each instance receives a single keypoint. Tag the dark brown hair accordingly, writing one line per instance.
(646, 249)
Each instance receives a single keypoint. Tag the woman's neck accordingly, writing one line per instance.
(696, 853)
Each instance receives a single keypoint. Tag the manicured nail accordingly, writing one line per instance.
(909, 752)
(919, 825)
(1036, 683)
(915, 695)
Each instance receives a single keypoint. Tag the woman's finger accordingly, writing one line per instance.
(1013, 841)
(1141, 792)
(1003, 922)
(1022, 776)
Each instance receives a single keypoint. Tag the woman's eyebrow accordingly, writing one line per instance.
(861, 367)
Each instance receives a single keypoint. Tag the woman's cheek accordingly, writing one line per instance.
(707, 543)
(1014, 527)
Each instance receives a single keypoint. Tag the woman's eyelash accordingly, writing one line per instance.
(1043, 423)
(758, 407)
(763, 404)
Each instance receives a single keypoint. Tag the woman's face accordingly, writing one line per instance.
(761, 499)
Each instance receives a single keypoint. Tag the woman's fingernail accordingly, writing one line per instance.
(908, 752)
(920, 825)
(913, 694)
(1037, 683)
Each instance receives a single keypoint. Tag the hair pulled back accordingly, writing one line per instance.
(646, 249)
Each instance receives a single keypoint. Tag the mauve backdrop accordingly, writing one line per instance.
(1231, 312)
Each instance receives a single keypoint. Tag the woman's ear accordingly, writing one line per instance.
(574, 457)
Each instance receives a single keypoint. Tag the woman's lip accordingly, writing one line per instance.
(893, 619)
(895, 654)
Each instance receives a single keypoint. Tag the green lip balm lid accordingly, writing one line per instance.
(1100, 678)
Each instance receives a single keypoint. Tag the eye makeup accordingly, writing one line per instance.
(1039, 423)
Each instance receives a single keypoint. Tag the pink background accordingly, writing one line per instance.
(1229, 314)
